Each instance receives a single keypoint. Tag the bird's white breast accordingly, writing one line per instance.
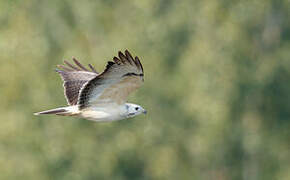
(103, 114)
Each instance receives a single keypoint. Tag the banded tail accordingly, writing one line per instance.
(62, 111)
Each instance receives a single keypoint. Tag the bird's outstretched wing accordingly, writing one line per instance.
(74, 77)
(119, 79)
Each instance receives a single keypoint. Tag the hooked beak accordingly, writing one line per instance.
(145, 112)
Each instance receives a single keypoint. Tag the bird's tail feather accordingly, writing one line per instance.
(62, 111)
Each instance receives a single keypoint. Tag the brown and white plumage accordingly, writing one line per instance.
(74, 77)
(119, 79)
(90, 94)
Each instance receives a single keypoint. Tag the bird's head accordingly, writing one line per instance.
(134, 110)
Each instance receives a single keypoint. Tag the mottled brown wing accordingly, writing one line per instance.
(74, 77)
(119, 79)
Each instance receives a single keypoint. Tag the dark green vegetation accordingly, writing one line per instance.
(217, 89)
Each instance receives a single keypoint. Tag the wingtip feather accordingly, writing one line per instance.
(58, 70)
(71, 66)
(79, 64)
(129, 57)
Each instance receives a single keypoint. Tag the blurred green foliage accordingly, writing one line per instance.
(216, 89)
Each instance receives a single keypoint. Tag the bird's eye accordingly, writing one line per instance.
(136, 108)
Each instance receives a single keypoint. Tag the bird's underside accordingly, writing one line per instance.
(99, 96)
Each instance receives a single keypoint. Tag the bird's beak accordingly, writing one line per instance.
(145, 112)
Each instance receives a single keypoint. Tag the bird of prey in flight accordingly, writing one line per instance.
(100, 96)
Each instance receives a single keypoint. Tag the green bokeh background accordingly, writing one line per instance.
(217, 89)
